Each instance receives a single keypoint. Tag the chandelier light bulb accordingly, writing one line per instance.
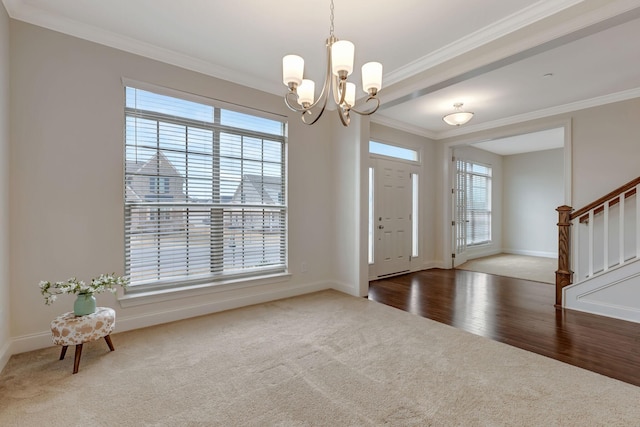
(350, 95)
(306, 92)
(372, 77)
(292, 70)
(342, 54)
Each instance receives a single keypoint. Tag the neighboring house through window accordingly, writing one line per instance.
(204, 192)
(159, 185)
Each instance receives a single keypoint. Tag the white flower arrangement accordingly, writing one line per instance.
(105, 282)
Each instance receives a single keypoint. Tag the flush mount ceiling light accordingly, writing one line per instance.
(458, 117)
(340, 55)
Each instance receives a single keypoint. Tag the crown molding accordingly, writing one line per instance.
(501, 28)
(19, 10)
(405, 127)
(540, 114)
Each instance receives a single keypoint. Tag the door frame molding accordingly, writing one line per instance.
(413, 167)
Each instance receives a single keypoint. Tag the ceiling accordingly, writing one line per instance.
(547, 139)
(507, 60)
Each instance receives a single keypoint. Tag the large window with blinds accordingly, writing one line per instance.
(474, 202)
(205, 192)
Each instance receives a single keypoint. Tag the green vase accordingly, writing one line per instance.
(85, 304)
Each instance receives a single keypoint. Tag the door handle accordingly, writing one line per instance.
(380, 227)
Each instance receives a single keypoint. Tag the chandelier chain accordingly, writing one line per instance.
(331, 17)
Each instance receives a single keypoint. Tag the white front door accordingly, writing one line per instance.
(392, 219)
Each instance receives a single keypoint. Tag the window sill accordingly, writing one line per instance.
(161, 295)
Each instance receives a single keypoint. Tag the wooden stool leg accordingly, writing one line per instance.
(109, 343)
(63, 352)
(76, 361)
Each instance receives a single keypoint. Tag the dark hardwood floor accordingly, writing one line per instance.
(520, 313)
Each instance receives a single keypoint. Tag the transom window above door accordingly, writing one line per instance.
(393, 151)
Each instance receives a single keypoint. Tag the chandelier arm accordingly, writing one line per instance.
(291, 105)
(324, 97)
(370, 112)
(317, 117)
(324, 93)
(303, 111)
(334, 90)
(344, 116)
(341, 90)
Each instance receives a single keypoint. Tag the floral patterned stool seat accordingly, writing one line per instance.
(69, 329)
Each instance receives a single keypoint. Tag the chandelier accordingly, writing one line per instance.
(340, 53)
(458, 117)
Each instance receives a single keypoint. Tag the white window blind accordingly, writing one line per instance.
(205, 192)
(474, 196)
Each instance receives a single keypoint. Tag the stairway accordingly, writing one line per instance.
(599, 255)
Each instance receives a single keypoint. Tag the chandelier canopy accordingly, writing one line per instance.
(340, 54)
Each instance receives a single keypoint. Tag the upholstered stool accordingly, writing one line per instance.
(69, 329)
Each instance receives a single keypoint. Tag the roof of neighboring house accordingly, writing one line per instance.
(158, 165)
(131, 195)
(262, 189)
(158, 161)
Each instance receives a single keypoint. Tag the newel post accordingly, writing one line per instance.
(563, 275)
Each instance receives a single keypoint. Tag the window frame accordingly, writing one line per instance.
(222, 281)
(488, 211)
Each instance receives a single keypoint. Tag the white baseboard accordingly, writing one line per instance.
(40, 340)
(137, 322)
(31, 342)
(435, 264)
(480, 252)
(5, 355)
(345, 289)
(531, 253)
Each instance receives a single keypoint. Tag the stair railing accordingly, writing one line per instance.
(592, 248)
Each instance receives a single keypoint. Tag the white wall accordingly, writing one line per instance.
(5, 308)
(606, 149)
(532, 188)
(349, 185)
(66, 199)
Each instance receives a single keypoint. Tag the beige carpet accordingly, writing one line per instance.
(538, 269)
(324, 359)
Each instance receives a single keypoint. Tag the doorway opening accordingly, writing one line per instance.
(530, 178)
(393, 227)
